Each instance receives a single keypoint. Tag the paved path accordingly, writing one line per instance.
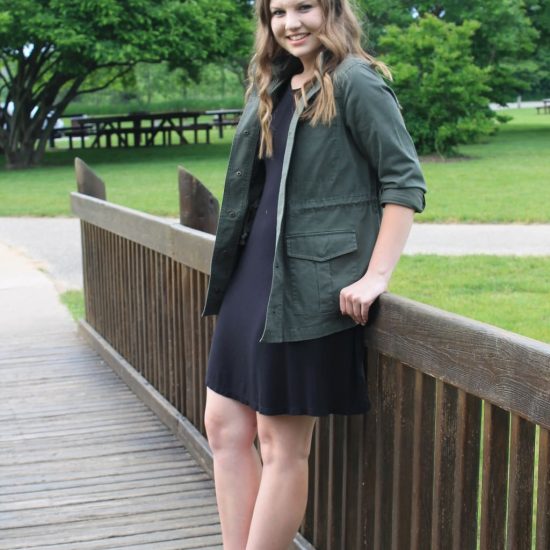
(55, 242)
(83, 462)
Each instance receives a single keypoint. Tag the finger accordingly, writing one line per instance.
(356, 304)
(342, 302)
(365, 313)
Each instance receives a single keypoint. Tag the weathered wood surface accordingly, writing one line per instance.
(183, 244)
(455, 402)
(499, 366)
(88, 182)
(85, 464)
(199, 209)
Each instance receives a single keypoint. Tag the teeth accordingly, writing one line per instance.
(297, 36)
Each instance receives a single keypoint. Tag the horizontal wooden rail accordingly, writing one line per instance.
(510, 370)
(182, 244)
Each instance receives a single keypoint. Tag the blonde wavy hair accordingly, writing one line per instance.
(340, 35)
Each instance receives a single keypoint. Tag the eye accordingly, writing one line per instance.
(305, 7)
(276, 12)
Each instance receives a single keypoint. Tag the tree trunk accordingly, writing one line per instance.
(27, 153)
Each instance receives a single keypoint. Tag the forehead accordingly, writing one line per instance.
(286, 4)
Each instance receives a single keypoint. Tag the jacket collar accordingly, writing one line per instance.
(284, 67)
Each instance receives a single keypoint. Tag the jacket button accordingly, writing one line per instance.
(246, 132)
(232, 214)
(239, 173)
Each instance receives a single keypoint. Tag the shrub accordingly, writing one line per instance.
(442, 91)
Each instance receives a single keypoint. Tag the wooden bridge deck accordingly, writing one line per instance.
(84, 464)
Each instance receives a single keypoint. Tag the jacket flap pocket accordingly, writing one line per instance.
(321, 247)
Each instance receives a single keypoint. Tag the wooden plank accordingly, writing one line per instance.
(507, 369)
(183, 244)
(337, 483)
(353, 519)
(467, 472)
(403, 457)
(543, 492)
(385, 454)
(110, 508)
(494, 481)
(322, 505)
(178, 424)
(112, 492)
(109, 528)
(520, 491)
(423, 461)
(370, 453)
(75, 482)
(445, 455)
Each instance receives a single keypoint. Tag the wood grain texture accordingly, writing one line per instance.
(385, 441)
(85, 464)
(445, 456)
(504, 368)
(543, 492)
(403, 457)
(520, 491)
(494, 492)
(468, 439)
(183, 244)
(423, 461)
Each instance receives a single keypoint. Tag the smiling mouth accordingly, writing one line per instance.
(297, 37)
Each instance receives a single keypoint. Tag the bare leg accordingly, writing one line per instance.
(285, 445)
(231, 428)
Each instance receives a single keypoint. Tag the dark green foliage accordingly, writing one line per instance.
(539, 14)
(53, 50)
(443, 93)
(503, 43)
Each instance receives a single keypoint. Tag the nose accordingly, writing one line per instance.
(292, 21)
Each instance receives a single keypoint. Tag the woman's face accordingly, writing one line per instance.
(295, 24)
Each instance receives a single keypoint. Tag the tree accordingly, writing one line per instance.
(539, 14)
(503, 42)
(53, 50)
(442, 91)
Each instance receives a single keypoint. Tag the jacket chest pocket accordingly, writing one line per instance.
(320, 265)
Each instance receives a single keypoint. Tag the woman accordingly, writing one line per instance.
(301, 253)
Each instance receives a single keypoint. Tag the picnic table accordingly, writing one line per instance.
(225, 117)
(137, 129)
(545, 107)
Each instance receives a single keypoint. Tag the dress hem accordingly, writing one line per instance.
(292, 411)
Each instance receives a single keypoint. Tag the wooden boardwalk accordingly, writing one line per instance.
(84, 464)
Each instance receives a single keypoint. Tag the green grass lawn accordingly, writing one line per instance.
(506, 179)
(506, 291)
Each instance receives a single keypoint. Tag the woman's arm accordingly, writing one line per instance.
(356, 299)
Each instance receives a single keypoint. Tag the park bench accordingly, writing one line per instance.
(224, 117)
(544, 108)
(180, 129)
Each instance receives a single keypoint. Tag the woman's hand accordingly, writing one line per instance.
(356, 299)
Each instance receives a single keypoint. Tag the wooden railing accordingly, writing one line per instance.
(455, 452)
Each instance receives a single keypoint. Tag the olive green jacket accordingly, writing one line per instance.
(335, 179)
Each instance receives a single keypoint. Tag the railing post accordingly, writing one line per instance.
(88, 182)
(199, 209)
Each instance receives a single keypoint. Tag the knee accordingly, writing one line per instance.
(227, 432)
(279, 452)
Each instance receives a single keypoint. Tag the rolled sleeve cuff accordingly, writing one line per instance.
(412, 197)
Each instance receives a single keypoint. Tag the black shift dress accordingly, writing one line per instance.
(314, 377)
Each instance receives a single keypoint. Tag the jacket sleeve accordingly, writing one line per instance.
(372, 115)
